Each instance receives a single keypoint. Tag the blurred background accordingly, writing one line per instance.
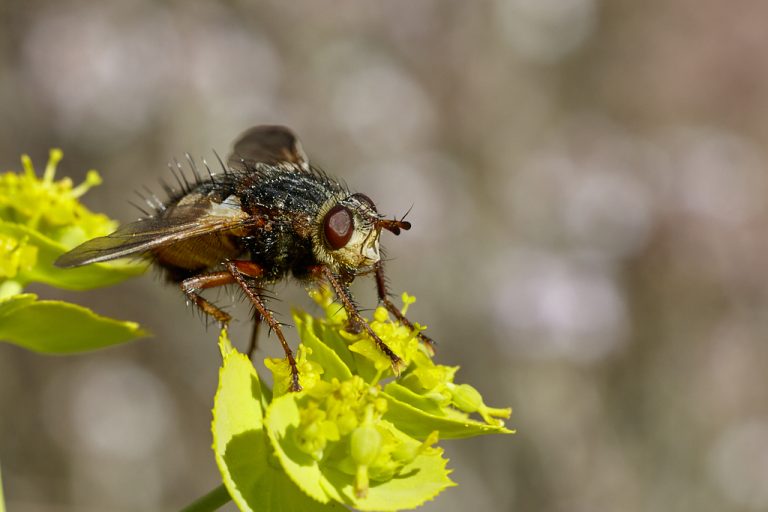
(589, 187)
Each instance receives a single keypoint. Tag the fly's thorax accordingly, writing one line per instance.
(345, 236)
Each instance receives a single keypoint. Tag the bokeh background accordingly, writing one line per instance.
(589, 187)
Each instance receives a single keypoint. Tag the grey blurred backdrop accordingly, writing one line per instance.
(588, 181)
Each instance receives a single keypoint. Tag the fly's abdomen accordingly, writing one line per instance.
(197, 254)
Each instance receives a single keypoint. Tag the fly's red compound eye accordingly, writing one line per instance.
(338, 226)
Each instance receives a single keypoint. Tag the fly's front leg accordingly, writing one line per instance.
(346, 300)
(240, 272)
(381, 288)
(194, 284)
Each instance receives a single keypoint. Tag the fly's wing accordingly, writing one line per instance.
(267, 144)
(178, 223)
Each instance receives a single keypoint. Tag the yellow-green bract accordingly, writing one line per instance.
(353, 436)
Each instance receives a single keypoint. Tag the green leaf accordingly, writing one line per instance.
(10, 304)
(56, 327)
(329, 335)
(331, 362)
(418, 482)
(79, 278)
(283, 417)
(252, 476)
(417, 416)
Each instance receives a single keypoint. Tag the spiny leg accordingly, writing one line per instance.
(254, 343)
(344, 296)
(239, 271)
(194, 284)
(381, 288)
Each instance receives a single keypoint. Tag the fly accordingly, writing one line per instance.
(268, 216)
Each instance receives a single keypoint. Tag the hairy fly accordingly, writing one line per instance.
(269, 215)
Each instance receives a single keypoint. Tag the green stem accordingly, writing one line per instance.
(2, 501)
(211, 501)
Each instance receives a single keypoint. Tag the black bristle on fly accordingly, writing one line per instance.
(193, 166)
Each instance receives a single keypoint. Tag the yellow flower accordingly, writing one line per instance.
(51, 207)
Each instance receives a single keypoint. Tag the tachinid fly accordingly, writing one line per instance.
(270, 214)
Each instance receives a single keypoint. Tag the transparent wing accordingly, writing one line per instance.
(171, 226)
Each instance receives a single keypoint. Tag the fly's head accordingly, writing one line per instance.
(347, 231)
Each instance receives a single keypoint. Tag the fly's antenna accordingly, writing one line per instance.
(406, 213)
(394, 225)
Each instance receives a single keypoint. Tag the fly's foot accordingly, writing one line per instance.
(295, 386)
(355, 326)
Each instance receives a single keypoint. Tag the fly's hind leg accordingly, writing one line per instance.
(381, 289)
(191, 286)
(240, 271)
(254, 343)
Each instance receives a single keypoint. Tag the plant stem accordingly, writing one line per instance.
(2, 501)
(211, 501)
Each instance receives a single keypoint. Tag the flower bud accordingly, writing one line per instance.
(380, 315)
(466, 398)
(365, 444)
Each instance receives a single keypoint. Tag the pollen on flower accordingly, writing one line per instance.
(309, 371)
(341, 425)
(15, 254)
(380, 315)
